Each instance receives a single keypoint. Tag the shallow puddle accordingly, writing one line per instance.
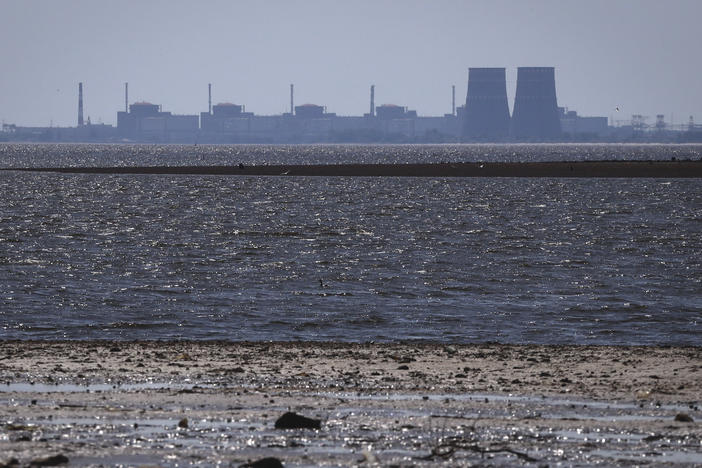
(101, 387)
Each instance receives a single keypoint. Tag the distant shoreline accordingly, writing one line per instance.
(574, 169)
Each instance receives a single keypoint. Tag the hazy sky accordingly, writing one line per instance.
(644, 56)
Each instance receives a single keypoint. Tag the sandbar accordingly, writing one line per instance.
(562, 169)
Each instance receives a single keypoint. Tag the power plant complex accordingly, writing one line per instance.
(485, 117)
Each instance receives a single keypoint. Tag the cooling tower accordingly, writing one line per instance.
(486, 114)
(535, 113)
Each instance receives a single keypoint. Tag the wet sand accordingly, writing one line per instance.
(665, 169)
(208, 403)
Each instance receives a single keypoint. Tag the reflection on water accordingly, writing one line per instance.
(353, 259)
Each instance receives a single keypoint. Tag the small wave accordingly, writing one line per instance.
(307, 326)
(367, 320)
(129, 325)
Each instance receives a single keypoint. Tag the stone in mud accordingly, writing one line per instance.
(268, 462)
(53, 460)
(183, 423)
(292, 420)
(682, 417)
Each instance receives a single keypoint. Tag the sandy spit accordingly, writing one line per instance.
(215, 404)
(673, 168)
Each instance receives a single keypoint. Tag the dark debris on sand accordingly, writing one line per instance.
(292, 420)
(268, 462)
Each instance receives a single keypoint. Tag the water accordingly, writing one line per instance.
(52, 155)
(606, 261)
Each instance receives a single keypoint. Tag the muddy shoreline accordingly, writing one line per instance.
(411, 404)
(619, 169)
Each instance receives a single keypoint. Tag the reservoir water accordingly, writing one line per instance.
(590, 261)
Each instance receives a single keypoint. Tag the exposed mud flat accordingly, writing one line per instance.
(211, 403)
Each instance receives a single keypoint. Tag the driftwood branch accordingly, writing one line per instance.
(447, 449)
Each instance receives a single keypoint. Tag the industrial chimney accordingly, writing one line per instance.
(292, 108)
(453, 99)
(80, 104)
(372, 101)
(126, 97)
(535, 114)
(209, 98)
(486, 112)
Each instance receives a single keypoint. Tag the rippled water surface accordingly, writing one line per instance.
(464, 260)
(53, 155)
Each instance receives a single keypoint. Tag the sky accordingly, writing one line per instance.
(641, 56)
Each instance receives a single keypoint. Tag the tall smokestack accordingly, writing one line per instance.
(209, 98)
(126, 97)
(453, 99)
(80, 104)
(292, 108)
(372, 103)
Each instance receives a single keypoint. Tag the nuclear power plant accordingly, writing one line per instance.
(484, 118)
